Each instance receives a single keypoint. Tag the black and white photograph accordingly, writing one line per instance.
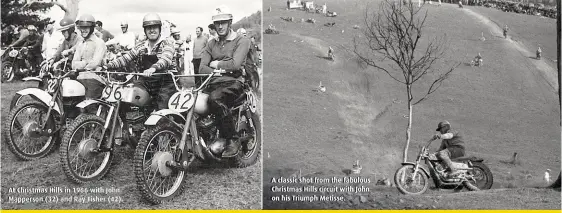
(131, 104)
(407, 104)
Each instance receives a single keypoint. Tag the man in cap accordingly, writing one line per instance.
(89, 55)
(452, 145)
(126, 40)
(227, 52)
(156, 54)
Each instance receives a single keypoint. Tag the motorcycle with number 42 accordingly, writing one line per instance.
(186, 131)
(413, 178)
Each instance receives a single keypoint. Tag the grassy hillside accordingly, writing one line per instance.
(252, 25)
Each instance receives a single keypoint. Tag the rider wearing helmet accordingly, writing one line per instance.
(127, 39)
(71, 39)
(452, 145)
(156, 54)
(241, 31)
(23, 34)
(33, 42)
(89, 55)
(228, 52)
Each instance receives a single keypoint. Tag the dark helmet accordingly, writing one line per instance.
(151, 19)
(86, 20)
(443, 125)
(66, 24)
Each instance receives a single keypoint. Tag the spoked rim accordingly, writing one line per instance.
(407, 181)
(162, 185)
(24, 134)
(81, 158)
(248, 152)
(479, 178)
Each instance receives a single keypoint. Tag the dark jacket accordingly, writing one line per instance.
(455, 145)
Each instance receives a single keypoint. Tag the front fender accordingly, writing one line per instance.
(89, 102)
(41, 95)
(156, 116)
(32, 79)
(421, 168)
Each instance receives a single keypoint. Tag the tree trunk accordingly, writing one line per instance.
(409, 129)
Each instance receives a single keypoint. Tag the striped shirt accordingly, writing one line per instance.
(163, 49)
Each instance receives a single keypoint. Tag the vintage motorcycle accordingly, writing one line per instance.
(476, 62)
(186, 131)
(34, 126)
(88, 144)
(43, 80)
(15, 63)
(412, 178)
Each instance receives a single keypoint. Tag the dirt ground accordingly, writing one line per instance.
(508, 105)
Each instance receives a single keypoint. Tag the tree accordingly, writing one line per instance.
(394, 34)
(18, 12)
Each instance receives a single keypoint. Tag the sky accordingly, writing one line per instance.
(186, 14)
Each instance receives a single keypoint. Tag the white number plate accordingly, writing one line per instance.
(51, 85)
(112, 93)
(181, 101)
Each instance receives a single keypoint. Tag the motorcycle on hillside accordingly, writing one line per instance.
(88, 145)
(413, 179)
(34, 126)
(186, 131)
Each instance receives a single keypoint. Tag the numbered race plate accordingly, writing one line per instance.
(181, 101)
(112, 93)
(51, 86)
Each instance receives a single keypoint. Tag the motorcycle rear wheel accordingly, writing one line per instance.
(403, 180)
(483, 176)
(148, 152)
(250, 152)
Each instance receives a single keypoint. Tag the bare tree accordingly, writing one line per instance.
(394, 35)
(70, 10)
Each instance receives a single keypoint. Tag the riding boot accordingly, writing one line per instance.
(450, 167)
(228, 126)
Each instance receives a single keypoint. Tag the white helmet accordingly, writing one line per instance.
(124, 24)
(175, 31)
(222, 13)
(241, 31)
(31, 27)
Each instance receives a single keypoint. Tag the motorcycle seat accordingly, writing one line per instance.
(467, 158)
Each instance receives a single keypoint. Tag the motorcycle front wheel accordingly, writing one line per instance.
(409, 182)
(8, 73)
(23, 131)
(156, 181)
(79, 157)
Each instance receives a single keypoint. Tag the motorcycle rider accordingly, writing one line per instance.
(539, 52)
(33, 42)
(478, 60)
(452, 146)
(89, 55)
(157, 54)
(71, 39)
(505, 29)
(228, 51)
(127, 40)
(180, 46)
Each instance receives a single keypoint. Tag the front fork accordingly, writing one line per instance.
(111, 120)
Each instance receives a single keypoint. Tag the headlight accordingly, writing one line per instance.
(13, 53)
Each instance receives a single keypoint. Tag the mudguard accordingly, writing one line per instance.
(32, 79)
(421, 168)
(156, 116)
(89, 102)
(41, 95)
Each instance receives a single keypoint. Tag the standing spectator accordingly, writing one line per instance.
(105, 35)
(199, 44)
(324, 9)
(212, 32)
(51, 42)
(127, 40)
